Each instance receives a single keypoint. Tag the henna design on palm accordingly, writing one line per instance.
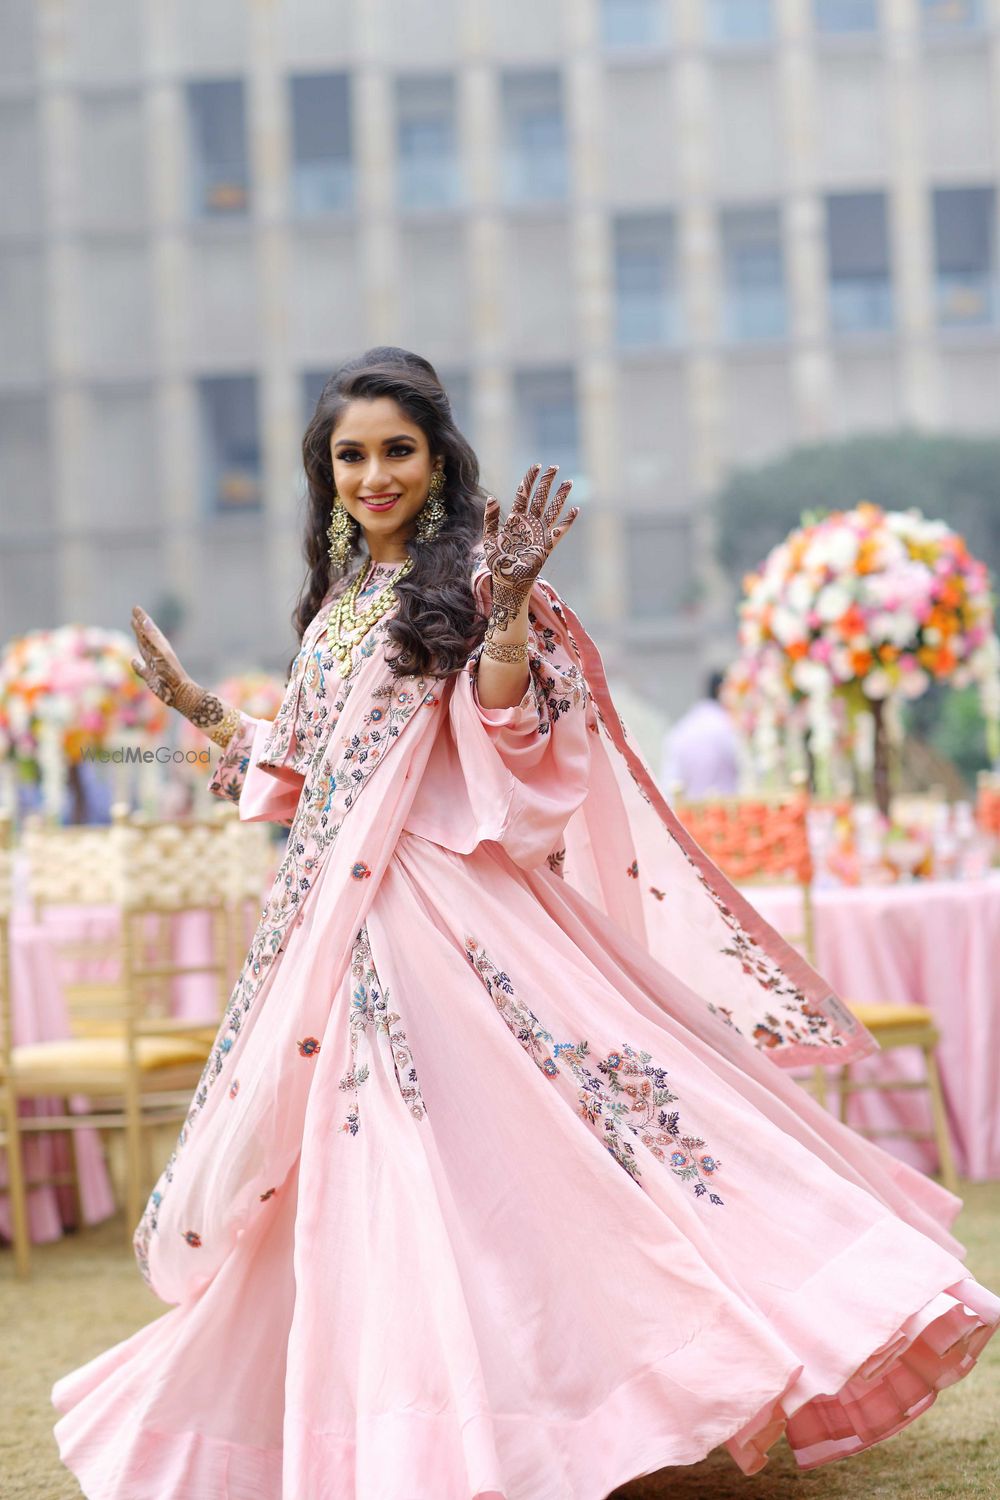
(517, 551)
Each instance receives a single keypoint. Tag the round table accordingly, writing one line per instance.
(931, 943)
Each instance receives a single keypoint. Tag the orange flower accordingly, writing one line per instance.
(861, 662)
(852, 621)
(951, 592)
(867, 560)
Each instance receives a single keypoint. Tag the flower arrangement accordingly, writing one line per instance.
(73, 686)
(869, 607)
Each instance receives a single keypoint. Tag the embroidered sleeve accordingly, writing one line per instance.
(231, 768)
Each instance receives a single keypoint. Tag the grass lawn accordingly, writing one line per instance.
(85, 1294)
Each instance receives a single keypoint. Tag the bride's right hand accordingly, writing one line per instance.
(163, 674)
(158, 665)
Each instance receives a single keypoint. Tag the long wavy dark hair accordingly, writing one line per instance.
(437, 623)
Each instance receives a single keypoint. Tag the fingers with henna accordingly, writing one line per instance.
(524, 488)
(558, 501)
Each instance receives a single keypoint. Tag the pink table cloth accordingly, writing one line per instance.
(39, 1015)
(932, 943)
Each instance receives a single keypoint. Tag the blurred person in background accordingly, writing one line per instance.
(441, 1222)
(701, 751)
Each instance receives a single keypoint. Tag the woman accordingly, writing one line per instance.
(485, 1193)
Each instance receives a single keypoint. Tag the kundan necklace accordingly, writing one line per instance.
(348, 625)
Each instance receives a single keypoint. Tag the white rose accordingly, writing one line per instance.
(787, 626)
(833, 601)
(877, 684)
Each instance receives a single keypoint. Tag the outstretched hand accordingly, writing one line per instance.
(517, 550)
(161, 671)
(158, 665)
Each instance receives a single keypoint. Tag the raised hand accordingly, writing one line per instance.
(516, 551)
(163, 674)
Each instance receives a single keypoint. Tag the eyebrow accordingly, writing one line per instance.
(401, 437)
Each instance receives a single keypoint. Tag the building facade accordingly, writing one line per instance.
(649, 241)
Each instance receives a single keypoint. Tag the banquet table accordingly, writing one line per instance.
(931, 943)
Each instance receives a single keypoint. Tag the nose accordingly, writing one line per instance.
(376, 478)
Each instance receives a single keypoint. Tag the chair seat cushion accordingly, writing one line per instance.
(875, 1016)
(100, 1054)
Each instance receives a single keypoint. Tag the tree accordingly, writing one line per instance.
(949, 478)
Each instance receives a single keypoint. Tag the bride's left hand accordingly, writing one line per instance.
(517, 550)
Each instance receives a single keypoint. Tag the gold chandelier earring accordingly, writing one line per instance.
(341, 532)
(431, 518)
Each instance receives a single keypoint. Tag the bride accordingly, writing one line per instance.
(495, 1186)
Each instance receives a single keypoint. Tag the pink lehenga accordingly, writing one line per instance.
(492, 1189)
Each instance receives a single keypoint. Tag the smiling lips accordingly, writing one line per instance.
(377, 503)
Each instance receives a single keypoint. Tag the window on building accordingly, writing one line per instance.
(754, 274)
(965, 255)
(857, 239)
(220, 175)
(634, 23)
(427, 156)
(535, 133)
(231, 462)
(940, 17)
(322, 165)
(740, 20)
(312, 385)
(547, 428)
(845, 16)
(660, 557)
(646, 294)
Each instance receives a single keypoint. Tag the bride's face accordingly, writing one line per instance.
(382, 469)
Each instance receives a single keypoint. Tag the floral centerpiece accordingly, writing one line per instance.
(66, 691)
(855, 612)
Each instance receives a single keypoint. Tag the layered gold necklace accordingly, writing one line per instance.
(348, 625)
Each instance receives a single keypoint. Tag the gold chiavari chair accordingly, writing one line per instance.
(74, 867)
(764, 840)
(140, 1065)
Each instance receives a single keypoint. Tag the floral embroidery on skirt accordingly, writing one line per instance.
(632, 1091)
(370, 1007)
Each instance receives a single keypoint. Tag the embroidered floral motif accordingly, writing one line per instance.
(556, 861)
(360, 871)
(370, 1007)
(269, 1194)
(658, 894)
(631, 1093)
(309, 1047)
(633, 870)
(234, 1088)
(194, 1240)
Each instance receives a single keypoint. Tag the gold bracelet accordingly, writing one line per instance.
(221, 733)
(510, 651)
